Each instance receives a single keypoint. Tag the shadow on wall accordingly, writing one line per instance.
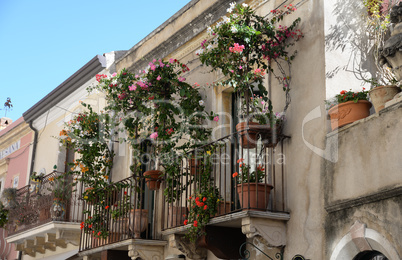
(348, 33)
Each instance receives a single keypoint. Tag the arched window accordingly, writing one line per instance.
(370, 255)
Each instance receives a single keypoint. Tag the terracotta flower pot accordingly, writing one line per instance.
(382, 94)
(257, 193)
(140, 219)
(152, 178)
(248, 138)
(348, 112)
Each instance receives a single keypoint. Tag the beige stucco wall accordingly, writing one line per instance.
(369, 156)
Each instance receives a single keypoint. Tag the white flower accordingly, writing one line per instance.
(229, 10)
(201, 102)
(232, 5)
(244, 5)
(226, 19)
(218, 24)
(233, 29)
(209, 30)
(235, 16)
(209, 47)
(199, 51)
(247, 40)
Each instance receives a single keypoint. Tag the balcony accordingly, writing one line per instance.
(245, 172)
(121, 217)
(39, 221)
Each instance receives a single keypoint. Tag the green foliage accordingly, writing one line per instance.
(3, 215)
(248, 176)
(245, 45)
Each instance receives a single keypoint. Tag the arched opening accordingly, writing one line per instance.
(370, 255)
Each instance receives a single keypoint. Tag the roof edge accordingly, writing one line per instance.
(71, 84)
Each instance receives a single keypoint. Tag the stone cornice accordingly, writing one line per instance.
(374, 197)
(12, 136)
(75, 81)
(178, 38)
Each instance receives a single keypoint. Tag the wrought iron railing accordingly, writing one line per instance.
(246, 169)
(123, 210)
(37, 204)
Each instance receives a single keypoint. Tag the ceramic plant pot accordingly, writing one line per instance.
(348, 112)
(248, 138)
(153, 179)
(255, 194)
(382, 94)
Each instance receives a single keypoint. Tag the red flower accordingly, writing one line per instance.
(343, 92)
(235, 174)
(195, 223)
(125, 193)
(185, 222)
(240, 160)
(205, 207)
(99, 233)
(204, 199)
(106, 207)
(150, 98)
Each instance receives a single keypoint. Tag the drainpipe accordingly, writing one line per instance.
(34, 147)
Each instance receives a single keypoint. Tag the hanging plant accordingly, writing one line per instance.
(244, 45)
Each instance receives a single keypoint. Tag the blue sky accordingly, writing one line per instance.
(43, 42)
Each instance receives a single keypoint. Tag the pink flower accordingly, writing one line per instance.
(231, 71)
(136, 76)
(159, 77)
(154, 135)
(181, 79)
(240, 67)
(153, 67)
(237, 48)
(114, 74)
(132, 87)
(216, 119)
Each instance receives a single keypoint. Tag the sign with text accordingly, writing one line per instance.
(9, 150)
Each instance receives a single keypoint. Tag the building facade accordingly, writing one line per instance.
(336, 194)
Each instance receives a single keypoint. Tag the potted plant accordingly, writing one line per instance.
(253, 192)
(203, 206)
(243, 46)
(348, 107)
(384, 84)
(158, 105)
(62, 187)
(9, 197)
(3, 215)
(35, 182)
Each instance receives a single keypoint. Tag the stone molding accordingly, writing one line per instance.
(188, 248)
(271, 232)
(374, 197)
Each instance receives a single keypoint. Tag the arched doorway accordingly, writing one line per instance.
(370, 255)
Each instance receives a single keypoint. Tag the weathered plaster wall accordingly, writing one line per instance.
(369, 157)
(384, 216)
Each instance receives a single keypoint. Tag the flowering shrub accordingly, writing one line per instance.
(157, 104)
(262, 114)
(88, 134)
(203, 206)
(3, 215)
(245, 45)
(248, 176)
